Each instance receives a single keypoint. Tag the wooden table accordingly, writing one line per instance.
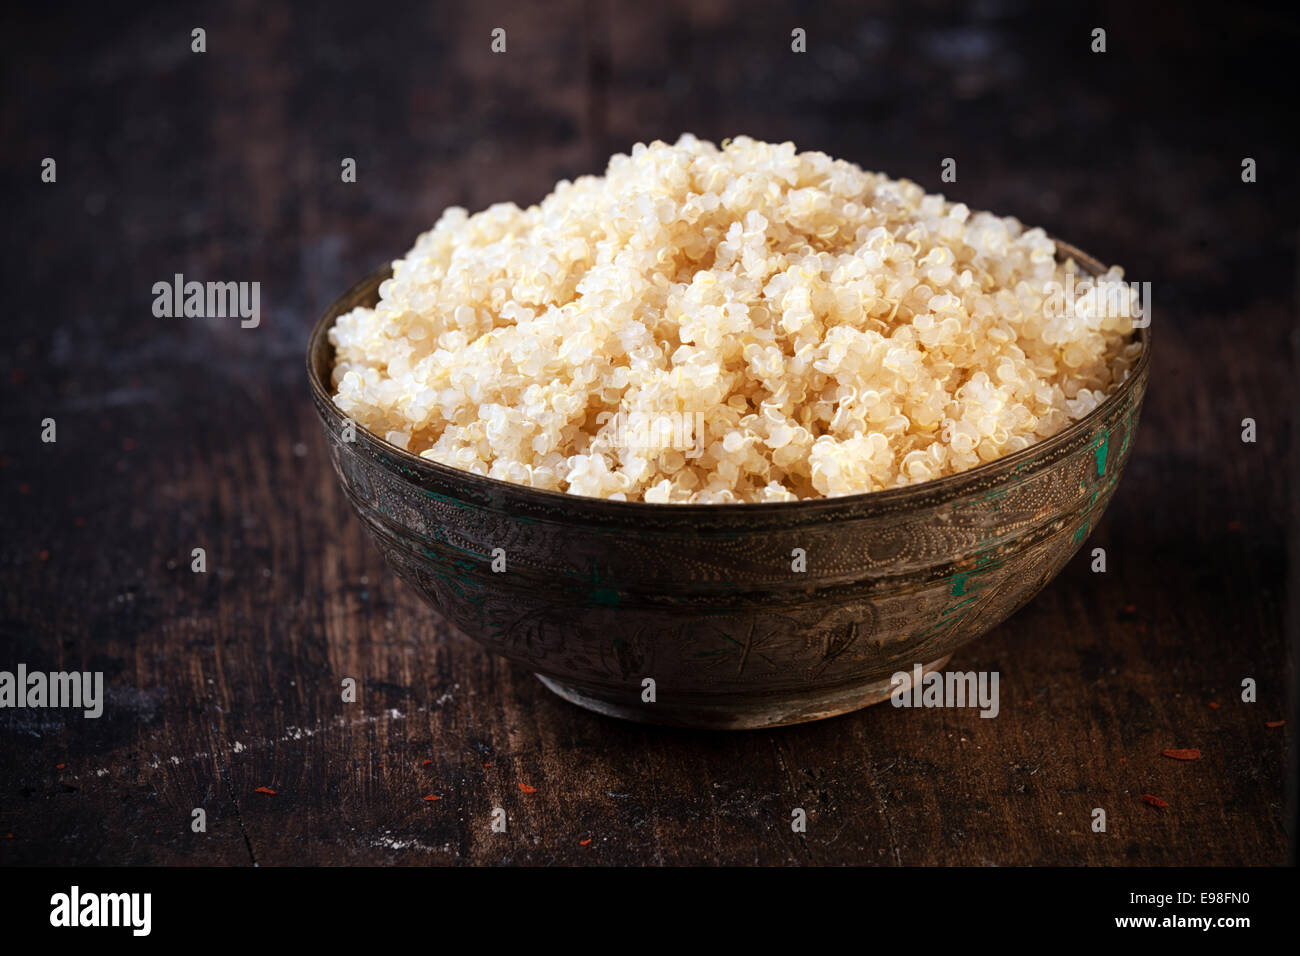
(175, 434)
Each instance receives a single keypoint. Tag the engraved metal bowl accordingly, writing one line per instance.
(598, 596)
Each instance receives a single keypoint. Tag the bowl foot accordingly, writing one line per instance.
(729, 712)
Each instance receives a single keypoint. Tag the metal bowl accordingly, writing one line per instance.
(599, 597)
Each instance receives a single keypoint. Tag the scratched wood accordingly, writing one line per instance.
(177, 434)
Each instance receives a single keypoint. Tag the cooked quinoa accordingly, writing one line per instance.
(810, 328)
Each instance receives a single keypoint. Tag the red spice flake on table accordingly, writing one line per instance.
(430, 798)
(9, 836)
(1123, 759)
(59, 766)
(1184, 753)
(1154, 801)
(486, 766)
(527, 789)
(1275, 723)
(266, 790)
(426, 763)
(1213, 705)
(584, 842)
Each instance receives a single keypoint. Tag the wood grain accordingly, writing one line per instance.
(175, 434)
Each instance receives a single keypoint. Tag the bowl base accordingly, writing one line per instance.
(730, 713)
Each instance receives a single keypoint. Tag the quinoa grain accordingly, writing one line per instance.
(819, 331)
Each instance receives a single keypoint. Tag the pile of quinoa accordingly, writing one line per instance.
(821, 330)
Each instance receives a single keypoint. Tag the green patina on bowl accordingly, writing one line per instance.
(598, 595)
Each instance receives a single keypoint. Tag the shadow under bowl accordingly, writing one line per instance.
(600, 597)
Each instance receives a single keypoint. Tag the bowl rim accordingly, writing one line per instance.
(937, 489)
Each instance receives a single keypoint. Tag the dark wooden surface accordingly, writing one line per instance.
(184, 433)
